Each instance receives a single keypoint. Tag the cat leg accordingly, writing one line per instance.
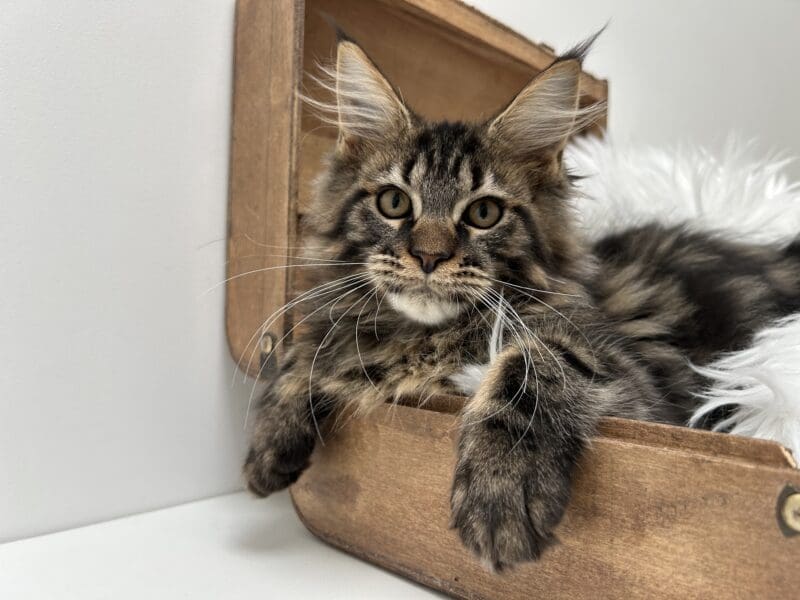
(285, 431)
(521, 435)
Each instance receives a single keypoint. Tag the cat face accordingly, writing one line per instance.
(443, 215)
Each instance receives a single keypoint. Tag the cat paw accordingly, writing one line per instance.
(272, 467)
(493, 521)
(503, 506)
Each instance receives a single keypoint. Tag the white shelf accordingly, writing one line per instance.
(228, 547)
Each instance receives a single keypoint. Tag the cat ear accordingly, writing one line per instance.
(546, 112)
(368, 107)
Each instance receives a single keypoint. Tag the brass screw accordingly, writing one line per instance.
(790, 511)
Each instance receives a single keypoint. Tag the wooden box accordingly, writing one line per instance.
(657, 511)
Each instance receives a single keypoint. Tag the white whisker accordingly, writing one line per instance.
(358, 349)
(529, 289)
(316, 354)
(314, 292)
(215, 286)
(288, 333)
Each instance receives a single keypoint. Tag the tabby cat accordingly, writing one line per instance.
(432, 235)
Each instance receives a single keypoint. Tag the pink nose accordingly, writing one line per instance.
(428, 261)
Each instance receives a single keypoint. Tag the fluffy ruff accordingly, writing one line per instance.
(734, 193)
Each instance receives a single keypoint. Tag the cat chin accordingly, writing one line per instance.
(423, 308)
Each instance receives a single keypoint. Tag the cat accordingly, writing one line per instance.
(439, 235)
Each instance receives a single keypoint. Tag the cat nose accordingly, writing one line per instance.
(429, 261)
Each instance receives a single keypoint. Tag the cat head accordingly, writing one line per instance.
(442, 215)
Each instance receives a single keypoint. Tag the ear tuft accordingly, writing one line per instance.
(366, 105)
(581, 50)
(546, 112)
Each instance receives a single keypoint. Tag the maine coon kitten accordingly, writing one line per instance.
(436, 232)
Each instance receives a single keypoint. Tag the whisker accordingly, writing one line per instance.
(333, 306)
(530, 289)
(316, 354)
(215, 286)
(262, 245)
(532, 335)
(524, 346)
(242, 258)
(497, 310)
(555, 358)
(524, 327)
(288, 333)
(358, 349)
(210, 242)
(568, 320)
(309, 295)
(306, 257)
(312, 294)
(377, 311)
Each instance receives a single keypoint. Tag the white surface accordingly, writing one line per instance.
(224, 548)
(682, 70)
(115, 379)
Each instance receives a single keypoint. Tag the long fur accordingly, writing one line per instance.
(763, 382)
(362, 102)
(546, 112)
(738, 192)
(469, 378)
(735, 193)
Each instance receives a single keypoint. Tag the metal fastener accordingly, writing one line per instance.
(789, 511)
(267, 360)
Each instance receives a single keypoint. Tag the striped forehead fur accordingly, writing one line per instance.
(445, 149)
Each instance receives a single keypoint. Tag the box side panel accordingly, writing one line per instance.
(263, 169)
(651, 520)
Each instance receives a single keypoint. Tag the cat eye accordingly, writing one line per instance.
(483, 213)
(394, 203)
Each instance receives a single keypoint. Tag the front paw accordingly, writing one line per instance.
(501, 508)
(273, 465)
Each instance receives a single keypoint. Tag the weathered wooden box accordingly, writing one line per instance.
(657, 511)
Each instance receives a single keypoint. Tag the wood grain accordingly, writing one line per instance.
(473, 27)
(651, 516)
(263, 167)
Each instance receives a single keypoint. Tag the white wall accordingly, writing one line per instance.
(682, 70)
(115, 392)
(115, 381)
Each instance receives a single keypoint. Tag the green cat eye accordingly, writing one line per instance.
(483, 213)
(394, 203)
